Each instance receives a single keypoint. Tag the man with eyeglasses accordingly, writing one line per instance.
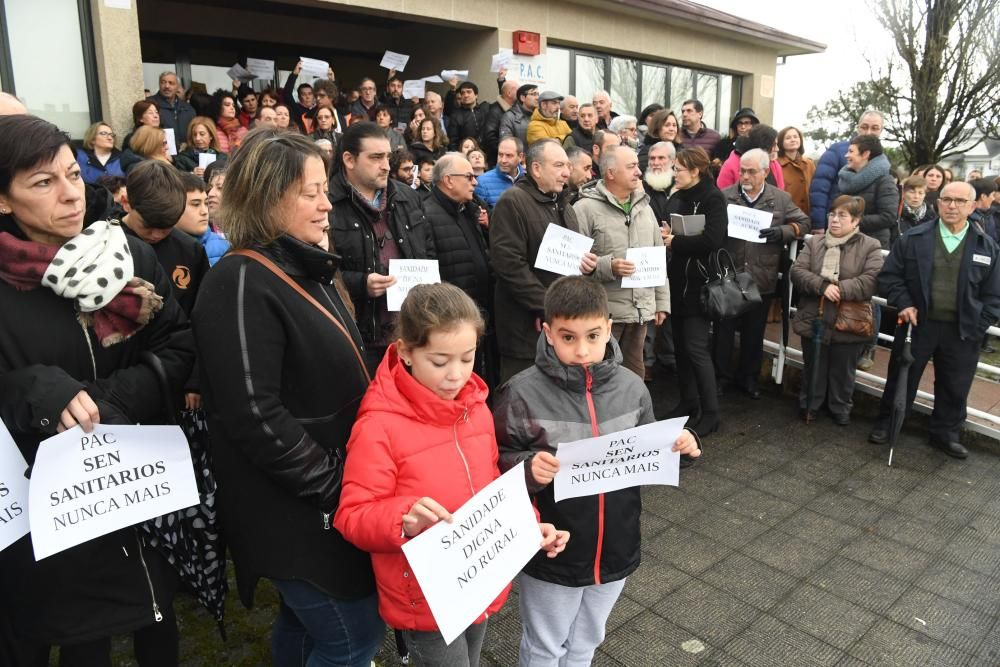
(374, 220)
(762, 260)
(364, 106)
(942, 278)
(514, 123)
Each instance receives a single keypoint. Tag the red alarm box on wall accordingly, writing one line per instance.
(527, 43)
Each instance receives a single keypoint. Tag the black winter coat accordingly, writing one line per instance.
(352, 237)
(461, 246)
(282, 386)
(491, 132)
(98, 588)
(464, 122)
(687, 251)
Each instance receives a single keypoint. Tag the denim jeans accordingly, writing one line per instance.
(316, 630)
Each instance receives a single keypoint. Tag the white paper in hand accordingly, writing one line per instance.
(171, 140)
(13, 491)
(562, 250)
(650, 267)
(393, 60)
(464, 565)
(414, 88)
(449, 74)
(313, 69)
(501, 60)
(84, 485)
(745, 223)
(240, 73)
(205, 159)
(409, 273)
(633, 457)
(260, 68)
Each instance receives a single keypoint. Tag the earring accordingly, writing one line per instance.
(4, 211)
(407, 362)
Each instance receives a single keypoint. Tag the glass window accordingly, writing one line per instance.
(589, 77)
(708, 93)
(681, 87)
(624, 86)
(726, 109)
(52, 88)
(213, 77)
(557, 76)
(654, 85)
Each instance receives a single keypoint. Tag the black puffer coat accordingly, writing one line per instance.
(687, 251)
(282, 385)
(98, 588)
(461, 246)
(467, 122)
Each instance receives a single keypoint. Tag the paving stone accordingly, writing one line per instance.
(787, 487)
(749, 580)
(654, 580)
(929, 536)
(760, 506)
(686, 550)
(624, 611)
(651, 525)
(710, 614)
(989, 650)
(847, 509)
(769, 642)
(789, 554)
(890, 644)
(671, 503)
(847, 458)
(943, 620)
(966, 587)
(901, 561)
(771, 452)
(708, 485)
(860, 584)
(725, 526)
(972, 551)
(602, 659)
(818, 529)
(931, 508)
(824, 616)
(738, 468)
(652, 641)
(987, 526)
(816, 473)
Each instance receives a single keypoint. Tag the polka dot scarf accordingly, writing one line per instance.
(94, 270)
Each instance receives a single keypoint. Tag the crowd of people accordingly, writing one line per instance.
(250, 254)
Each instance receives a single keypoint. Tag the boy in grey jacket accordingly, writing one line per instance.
(576, 389)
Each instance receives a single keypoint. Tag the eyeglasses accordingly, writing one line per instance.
(106, 134)
(469, 177)
(948, 201)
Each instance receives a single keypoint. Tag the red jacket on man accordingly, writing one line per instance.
(407, 444)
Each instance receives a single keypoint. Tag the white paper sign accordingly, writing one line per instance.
(414, 88)
(633, 457)
(745, 223)
(13, 491)
(313, 69)
(434, 78)
(260, 68)
(171, 140)
(464, 565)
(393, 60)
(527, 69)
(449, 74)
(239, 72)
(205, 159)
(84, 485)
(650, 267)
(562, 250)
(501, 60)
(410, 273)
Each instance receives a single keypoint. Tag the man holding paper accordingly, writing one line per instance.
(616, 213)
(762, 221)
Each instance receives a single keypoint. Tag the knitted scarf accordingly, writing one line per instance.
(831, 258)
(851, 182)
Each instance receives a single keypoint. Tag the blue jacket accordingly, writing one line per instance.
(91, 168)
(905, 279)
(215, 245)
(824, 187)
(494, 183)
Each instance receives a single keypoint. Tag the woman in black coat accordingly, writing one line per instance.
(65, 361)
(282, 378)
(694, 194)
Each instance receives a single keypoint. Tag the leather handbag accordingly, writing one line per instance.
(855, 317)
(728, 293)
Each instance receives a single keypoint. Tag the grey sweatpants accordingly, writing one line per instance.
(563, 625)
(427, 649)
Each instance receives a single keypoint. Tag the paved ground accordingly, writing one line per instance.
(787, 546)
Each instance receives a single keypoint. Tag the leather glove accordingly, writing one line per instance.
(771, 235)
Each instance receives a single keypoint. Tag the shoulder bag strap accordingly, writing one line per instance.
(276, 270)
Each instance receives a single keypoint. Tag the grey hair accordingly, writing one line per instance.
(167, 73)
(609, 157)
(601, 93)
(444, 165)
(618, 123)
(574, 153)
(671, 149)
(760, 155)
(536, 152)
(872, 112)
(586, 105)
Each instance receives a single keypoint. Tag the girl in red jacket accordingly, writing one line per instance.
(423, 444)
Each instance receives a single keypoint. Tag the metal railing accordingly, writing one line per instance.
(786, 354)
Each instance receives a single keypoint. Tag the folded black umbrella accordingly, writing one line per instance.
(899, 396)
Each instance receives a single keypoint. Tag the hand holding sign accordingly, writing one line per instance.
(650, 267)
(408, 273)
(423, 514)
(544, 467)
(562, 251)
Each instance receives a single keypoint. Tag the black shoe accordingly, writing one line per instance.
(879, 435)
(751, 388)
(841, 420)
(722, 385)
(808, 416)
(952, 448)
(708, 424)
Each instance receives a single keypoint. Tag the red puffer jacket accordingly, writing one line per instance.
(406, 444)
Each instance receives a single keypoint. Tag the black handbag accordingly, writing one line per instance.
(728, 293)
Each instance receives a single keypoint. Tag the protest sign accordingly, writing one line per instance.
(745, 223)
(313, 69)
(84, 485)
(633, 457)
(393, 60)
(205, 159)
(240, 73)
(528, 69)
(13, 491)
(463, 566)
(434, 78)
(501, 60)
(650, 267)
(171, 140)
(414, 88)
(562, 250)
(260, 68)
(448, 74)
(408, 274)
